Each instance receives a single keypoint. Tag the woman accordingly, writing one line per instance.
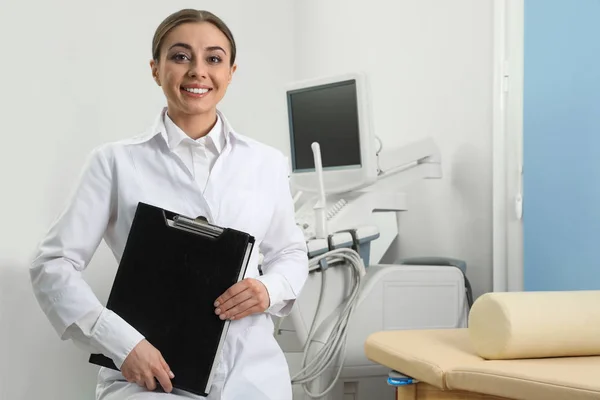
(192, 162)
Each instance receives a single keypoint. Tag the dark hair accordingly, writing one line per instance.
(189, 15)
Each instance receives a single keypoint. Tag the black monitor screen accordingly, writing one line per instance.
(328, 115)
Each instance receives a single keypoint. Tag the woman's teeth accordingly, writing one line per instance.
(195, 90)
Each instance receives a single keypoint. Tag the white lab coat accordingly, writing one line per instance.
(247, 189)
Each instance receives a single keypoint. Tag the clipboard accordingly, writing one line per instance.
(173, 269)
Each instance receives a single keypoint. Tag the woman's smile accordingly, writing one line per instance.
(195, 92)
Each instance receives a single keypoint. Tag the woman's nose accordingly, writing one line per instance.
(197, 70)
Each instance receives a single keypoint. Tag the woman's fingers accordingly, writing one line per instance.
(224, 300)
(166, 367)
(145, 365)
(148, 382)
(231, 306)
(241, 309)
(249, 294)
(163, 378)
(249, 311)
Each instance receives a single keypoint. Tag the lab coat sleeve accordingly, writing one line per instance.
(285, 261)
(56, 271)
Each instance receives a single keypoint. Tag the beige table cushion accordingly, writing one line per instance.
(570, 378)
(424, 354)
(446, 359)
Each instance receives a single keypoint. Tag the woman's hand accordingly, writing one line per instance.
(246, 297)
(143, 364)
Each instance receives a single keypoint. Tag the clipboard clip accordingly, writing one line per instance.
(199, 225)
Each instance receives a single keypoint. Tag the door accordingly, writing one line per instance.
(561, 145)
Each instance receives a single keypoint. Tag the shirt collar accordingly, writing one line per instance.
(175, 136)
(159, 128)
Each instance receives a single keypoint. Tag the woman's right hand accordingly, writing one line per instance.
(143, 364)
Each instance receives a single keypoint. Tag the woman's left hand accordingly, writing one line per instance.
(246, 297)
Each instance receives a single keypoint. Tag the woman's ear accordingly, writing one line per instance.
(154, 69)
(231, 72)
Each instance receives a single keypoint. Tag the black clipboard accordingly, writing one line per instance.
(172, 270)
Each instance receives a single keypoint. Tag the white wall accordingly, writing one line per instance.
(74, 75)
(429, 63)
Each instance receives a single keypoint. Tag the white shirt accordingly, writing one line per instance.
(232, 180)
(198, 155)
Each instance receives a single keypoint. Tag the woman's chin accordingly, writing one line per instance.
(197, 109)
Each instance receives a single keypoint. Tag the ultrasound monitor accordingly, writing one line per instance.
(334, 112)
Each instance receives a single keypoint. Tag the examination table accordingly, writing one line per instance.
(518, 345)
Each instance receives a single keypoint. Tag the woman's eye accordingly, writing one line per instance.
(180, 57)
(214, 59)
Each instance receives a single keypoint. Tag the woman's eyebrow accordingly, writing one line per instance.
(209, 48)
(213, 48)
(185, 45)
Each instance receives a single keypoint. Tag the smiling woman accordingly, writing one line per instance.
(193, 163)
(193, 59)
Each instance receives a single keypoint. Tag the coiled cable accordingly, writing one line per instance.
(335, 345)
